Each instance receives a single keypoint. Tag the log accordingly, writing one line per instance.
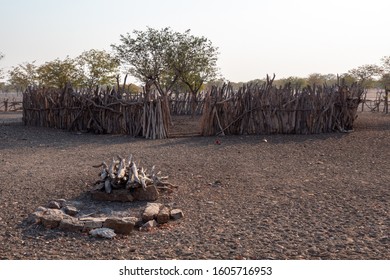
(112, 169)
(124, 174)
(107, 186)
(121, 169)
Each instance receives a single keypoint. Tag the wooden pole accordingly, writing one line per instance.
(387, 90)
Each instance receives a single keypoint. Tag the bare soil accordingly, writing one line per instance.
(321, 196)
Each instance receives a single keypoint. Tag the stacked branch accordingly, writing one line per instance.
(124, 173)
(101, 111)
(265, 109)
(181, 104)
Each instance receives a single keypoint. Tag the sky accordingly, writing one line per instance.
(254, 37)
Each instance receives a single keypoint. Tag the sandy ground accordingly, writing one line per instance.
(291, 197)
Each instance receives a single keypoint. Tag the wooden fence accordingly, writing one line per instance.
(11, 106)
(100, 112)
(180, 103)
(265, 109)
(376, 100)
(253, 109)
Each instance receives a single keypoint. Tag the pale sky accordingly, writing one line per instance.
(255, 38)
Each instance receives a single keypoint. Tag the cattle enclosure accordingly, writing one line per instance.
(252, 109)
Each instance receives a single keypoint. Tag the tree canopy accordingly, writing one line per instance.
(58, 73)
(97, 68)
(23, 75)
(144, 54)
(90, 69)
(195, 60)
(163, 57)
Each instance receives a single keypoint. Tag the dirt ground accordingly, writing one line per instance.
(290, 197)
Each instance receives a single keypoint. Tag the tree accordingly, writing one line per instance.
(162, 58)
(58, 73)
(97, 68)
(385, 72)
(348, 78)
(23, 75)
(385, 64)
(194, 60)
(315, 78)
(295, 82)
(366, 73)
(330, 79)
(145, 53)
(133, 89)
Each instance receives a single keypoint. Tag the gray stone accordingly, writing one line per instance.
(54, 205)
(177, 214)
(121, 195)
(149, 194)
(151, 211)
(120, 225)
(51, 218)
(163, 215)
(149, 225)
(91, 222)
(70, 210)
(103, 232)
(71, 224)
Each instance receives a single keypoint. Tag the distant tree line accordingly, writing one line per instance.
(370, 75)
(87, 70)
(162, 60)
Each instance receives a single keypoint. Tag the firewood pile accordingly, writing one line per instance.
(266, 109)
(123, 173)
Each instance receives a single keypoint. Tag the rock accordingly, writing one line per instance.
(51, 218)
(70, 210)
(350, 240)
(35, 218)
(149, 225)
(53, 205)
(384, 239)
(177, 214)
(149, 194)
(121, 195)
(71, 224)
(103, 232)
(163, 215)
(92, 222)
(120, 225)
(151, 211)
(62, 202)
